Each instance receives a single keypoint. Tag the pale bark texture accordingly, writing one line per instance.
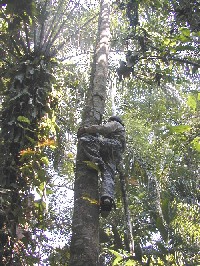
(84, 248)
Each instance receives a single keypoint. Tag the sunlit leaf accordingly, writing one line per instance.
(118, 258)
(196, 143)
(180, 128)
(23, 119)
(185, 31)
(192, 102)
(92, 165)
(131, 263)
(45, 160)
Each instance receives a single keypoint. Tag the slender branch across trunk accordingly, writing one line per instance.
(128, 225)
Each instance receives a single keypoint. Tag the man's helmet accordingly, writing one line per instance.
(116, 118)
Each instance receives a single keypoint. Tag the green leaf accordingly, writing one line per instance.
(119, 257)
(165, 209)
(183, 38)
(166, 41)
(180, 129)
(49, 191)
(23, 119)
(45, 160)
(130, 263)
(185, 32)
(42, 186)
(196, 143)
(42, 175)
(192, 102)
(92, 165)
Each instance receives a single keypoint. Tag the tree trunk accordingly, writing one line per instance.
(85, 225)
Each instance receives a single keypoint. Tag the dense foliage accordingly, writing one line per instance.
(46, 48)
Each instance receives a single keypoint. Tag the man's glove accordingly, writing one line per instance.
(80, 132)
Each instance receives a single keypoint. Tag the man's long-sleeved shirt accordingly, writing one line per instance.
(112, 130)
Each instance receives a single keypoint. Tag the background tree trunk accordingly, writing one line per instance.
(85, 224)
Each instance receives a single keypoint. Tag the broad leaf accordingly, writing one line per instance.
(180, 129)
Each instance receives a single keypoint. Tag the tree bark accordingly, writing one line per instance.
(84, 248)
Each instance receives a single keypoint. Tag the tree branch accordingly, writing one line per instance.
(128, 225)
(163, 58)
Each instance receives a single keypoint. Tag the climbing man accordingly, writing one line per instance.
(104, 145)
